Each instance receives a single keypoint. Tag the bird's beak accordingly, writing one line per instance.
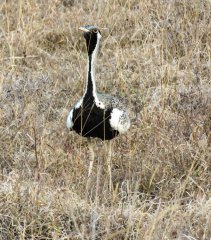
(84, 29)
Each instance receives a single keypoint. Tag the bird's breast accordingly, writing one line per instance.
(92, 121)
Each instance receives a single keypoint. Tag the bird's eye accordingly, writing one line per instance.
(95, 31)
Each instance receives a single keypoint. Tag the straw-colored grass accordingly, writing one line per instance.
(157, 55)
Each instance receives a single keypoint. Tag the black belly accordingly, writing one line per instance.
(91, 121)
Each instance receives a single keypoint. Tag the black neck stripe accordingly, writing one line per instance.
(89, 87)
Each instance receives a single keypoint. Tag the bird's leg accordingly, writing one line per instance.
(91, 162)
(92, 157)
(109, 164)
(99, 170)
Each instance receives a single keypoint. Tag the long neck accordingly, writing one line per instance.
(90, 89)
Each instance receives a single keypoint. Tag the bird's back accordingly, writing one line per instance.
(110, 101)
(119, 116)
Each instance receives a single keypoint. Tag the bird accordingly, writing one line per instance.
(97, 115)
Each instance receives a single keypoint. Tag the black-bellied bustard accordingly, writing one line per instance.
(97, 115)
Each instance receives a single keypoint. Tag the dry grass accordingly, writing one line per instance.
(157, 54)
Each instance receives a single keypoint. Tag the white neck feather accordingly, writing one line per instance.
(94, 58)
(93, 62)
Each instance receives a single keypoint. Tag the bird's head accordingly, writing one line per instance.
(92, 35)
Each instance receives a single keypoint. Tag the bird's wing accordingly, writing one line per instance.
(110, 101)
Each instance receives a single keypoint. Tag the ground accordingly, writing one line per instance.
(155, 54)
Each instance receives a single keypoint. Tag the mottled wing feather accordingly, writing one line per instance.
(111, 102)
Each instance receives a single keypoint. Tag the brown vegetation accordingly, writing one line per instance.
(157, 54)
